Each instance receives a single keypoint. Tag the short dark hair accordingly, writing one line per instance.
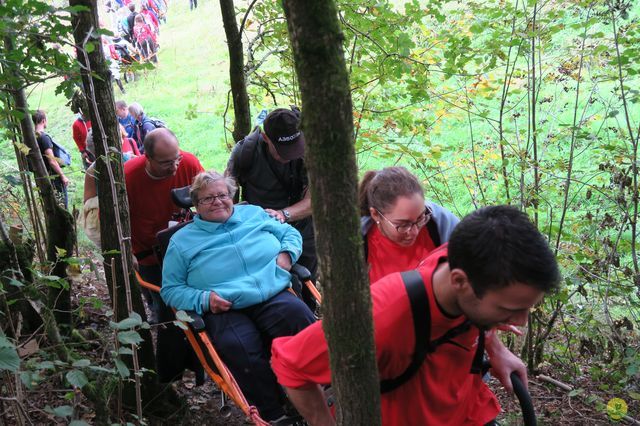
(151, 138)
(497, 246)
(381, 188)
(38, 117)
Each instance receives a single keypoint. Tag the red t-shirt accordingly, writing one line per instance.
(442, 392)
(150, 204)
(386, 257)
(79, 131)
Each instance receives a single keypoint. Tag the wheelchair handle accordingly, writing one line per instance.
(528, 412)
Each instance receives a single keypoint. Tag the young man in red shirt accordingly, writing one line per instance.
(495, 267)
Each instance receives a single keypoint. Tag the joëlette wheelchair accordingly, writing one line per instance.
(213, 365)
(195, 330)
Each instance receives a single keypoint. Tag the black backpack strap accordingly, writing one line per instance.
(476, 365)
(432, 229)
(249, 144)
(421, 325)
(421, 313)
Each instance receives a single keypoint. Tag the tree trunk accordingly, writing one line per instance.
(242, 112)
(316, 38)
(58, 221)
(115, 228)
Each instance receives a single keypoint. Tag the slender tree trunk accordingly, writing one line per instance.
(242, 111)
(58, 221)
(327, 117)
(115, 229)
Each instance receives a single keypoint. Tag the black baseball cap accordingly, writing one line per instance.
(282, 127)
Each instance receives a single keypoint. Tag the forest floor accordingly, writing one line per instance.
(553, 405)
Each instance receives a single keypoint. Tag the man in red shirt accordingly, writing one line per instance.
(80, 128)
(149, 180)
(495, 267)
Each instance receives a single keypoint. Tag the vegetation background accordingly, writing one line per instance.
(533, 103)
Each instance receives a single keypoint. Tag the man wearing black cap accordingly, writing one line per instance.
(269, 168)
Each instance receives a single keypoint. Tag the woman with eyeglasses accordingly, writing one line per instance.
(231, 265)
(399, 227)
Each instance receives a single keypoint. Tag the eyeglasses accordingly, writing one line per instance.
(403, 228)
(169, 163)
(212, 199)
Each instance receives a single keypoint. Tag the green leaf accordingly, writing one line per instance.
(9, 359)
(15, 283)
(125, 351)
(183, 316)
(129, 337)
(45, 365)
(101, 369)
(77, 378)
(122, 369)
(181, 325)
(78, 423)
(61, 411)
(127, 323)
(576, 392)
(81, 363)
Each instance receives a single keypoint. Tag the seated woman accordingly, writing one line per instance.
(393, 200)
(231, 265)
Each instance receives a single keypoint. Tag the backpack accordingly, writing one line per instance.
(61, 154)
(156, 122)
(419, 301)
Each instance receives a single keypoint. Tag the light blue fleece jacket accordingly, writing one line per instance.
(236, 259)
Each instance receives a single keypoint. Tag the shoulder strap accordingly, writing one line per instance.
(432, 229)
(421, 325)
(421, 313)
(249, 144)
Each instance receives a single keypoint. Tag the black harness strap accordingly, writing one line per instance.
(421, 325)
(421, 314)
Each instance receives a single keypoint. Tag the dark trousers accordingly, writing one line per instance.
(173, 352)
(243, 339)
(159, 311)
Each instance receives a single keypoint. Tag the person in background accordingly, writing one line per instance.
(131, 21)
(46, 146)
(81, 127)
(143, 124)
(399, 227)
(129, 146)
(126, 119)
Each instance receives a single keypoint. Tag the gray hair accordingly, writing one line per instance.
(205, 178)
(136, 109)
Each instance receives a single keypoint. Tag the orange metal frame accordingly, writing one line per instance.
(218, 372)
